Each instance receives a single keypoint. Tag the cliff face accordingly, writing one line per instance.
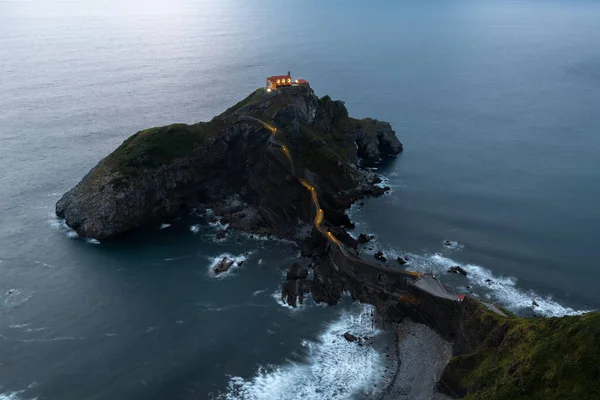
(233, 165)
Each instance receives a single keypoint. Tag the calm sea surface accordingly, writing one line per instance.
(496, 102)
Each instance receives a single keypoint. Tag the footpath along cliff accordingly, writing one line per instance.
(288, 163)
(232, 165)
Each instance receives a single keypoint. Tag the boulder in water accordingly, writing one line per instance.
(401, 260)
(380, 257)
(364, 238)
(457, 270)
(223, 266)
(350, 337)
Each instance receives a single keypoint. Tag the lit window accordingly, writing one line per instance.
(289, 80)
(296, 80)
(278, 81)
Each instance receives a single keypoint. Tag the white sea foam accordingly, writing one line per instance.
(299, 307)
(42, 263)
(259, 292)
(15, 297)
(92, 241)
(219, 225)
(334, 368)
(195, 228)
(238, 261)
(61, 225)
(499, 289)
(19, 326)
(16, 395)
(164, 226)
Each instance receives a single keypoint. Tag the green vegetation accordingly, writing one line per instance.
(322, 154)
(531, 358)
(154, 147)
(254, 96)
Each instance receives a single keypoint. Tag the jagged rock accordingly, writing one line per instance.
(401, 260)
(350, 337)
(457, 270)
(535, 304)
(223, 266)
(296, 271)
(364, 238)
(161, 173)
(380, 257)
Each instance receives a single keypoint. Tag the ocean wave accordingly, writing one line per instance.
(15, 297)
(61, 225)
(334, 368)
(18, 394)
(500, 289)
(299, 307)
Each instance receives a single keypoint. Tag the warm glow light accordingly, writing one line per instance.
(269, 90)
(278, 81)
(296, 80)
(289, 80)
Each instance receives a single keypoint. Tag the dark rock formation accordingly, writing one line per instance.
(223, 266)
(350, 337)
(221, 234)
(380, 257)
(230, 164)
(296, 271)
(457, 270)
(401, 260)
(296, 285)
(364, 238)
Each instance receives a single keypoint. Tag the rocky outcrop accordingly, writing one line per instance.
(364, 238)
(350, 337)
(232, 165)
(296, 285)
(457, 270)
(223, 266)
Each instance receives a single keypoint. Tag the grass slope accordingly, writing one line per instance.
(532, 358)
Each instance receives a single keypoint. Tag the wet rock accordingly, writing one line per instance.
(221, 234)
(296, 271)
(350, 337)
(380, 257)
(223, 266)
(457, 270)
(364, 238)
(488, 281)
(224, 221)
(401, 261)
(535, 304)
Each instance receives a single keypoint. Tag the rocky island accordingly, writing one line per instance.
(287, 163)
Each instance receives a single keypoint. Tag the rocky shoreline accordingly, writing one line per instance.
(289, 164)
(232, 165)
